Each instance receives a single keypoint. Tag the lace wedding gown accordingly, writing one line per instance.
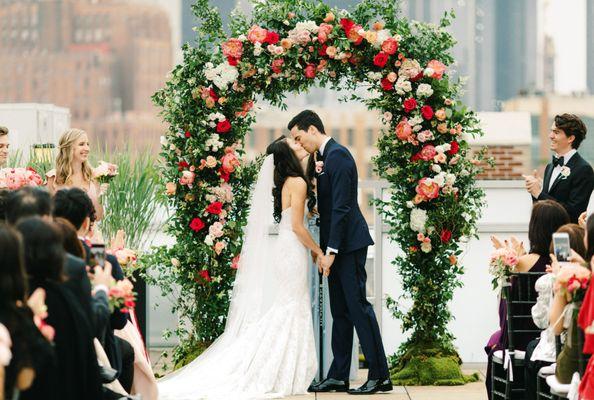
(267, 349)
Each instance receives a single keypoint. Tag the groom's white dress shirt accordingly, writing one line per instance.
(557, 170)
(322, 147)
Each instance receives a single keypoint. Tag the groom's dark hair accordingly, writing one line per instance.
(572, 125)
(305, 119)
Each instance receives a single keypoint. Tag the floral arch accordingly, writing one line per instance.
(288, 46)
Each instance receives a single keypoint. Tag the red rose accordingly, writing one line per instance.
(417, 77)
(182, 165)
(380, 59)
(454, 148)
(215, 208)
(212, 94)
(347, 24)
(188, 134)
(445, 235)
(427, 112)
(224, 126)
(232, 61)
(204, 275)
(410, 104)
(196, 225)
(416, 157)
(390, 46)
(322, 50)
(310, 71)
(386, 84)
(272, 37)
(224, 174)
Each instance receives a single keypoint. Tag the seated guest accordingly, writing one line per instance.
(547, 216)
(4, 145)
(542, 351)
(568, 179)
(32, 367)
(75, 206)
(77, 370)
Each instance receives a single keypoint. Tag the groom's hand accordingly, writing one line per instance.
(326, 263)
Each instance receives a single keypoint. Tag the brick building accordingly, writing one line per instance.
(103, 59)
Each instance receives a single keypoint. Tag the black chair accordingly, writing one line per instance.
(519, 296)
(582, 363)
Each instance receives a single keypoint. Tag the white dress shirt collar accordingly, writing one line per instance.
(323, 146)
(567, 156)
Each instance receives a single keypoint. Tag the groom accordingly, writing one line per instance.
(344, 236)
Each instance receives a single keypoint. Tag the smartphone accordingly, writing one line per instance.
(98, 254)
(561, 246)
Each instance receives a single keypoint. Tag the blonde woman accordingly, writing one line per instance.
(73, 168)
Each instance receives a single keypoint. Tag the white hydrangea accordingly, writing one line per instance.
(221, 75)
(307, 26)
(374, 76)
(424, 90)
(418, 219)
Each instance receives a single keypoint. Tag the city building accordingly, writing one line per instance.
(590, 45)
(102, 59)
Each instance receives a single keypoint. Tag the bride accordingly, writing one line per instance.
(267, 349)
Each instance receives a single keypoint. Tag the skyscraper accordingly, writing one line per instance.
(590, 45)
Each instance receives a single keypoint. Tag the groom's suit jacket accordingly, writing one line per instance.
(573, 191)
(342, 226)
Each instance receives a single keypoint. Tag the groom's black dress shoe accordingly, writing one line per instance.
(373, 386)
(329, 385)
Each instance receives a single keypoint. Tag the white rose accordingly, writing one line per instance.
(410, 204)
(436, 168)
(424, 90)
(439, 149)
(243, 38)
(450, 179)
(418, 219)
(208, 240)
(415, 120)
(439, 179)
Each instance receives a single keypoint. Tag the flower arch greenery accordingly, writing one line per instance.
(286, 47)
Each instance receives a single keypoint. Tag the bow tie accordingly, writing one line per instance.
(560, 161)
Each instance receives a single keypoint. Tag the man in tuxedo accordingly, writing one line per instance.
(77, 207)
(344, 236)
(568, 179)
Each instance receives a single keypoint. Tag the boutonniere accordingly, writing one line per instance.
(565, 171)
(319, 167)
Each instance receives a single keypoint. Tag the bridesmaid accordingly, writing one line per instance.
(73, 168)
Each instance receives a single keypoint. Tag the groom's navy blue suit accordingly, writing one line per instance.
(343, 228)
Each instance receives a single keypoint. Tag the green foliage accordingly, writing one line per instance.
(194, 100)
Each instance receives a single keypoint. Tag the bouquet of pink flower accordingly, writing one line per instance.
(572, 280)
(36, 303)
(105, 172)
(502, 264)
(16, 178)
(121, 296)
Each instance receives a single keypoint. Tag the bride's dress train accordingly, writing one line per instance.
(267, 349)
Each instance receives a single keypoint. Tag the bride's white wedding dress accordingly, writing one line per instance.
(267, 349)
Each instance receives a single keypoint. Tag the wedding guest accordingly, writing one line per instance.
(4, 145)
(77, 370)
(568, 179)
(547, 216)
(74, 205)
(73, 168)
(542, 351)
(32, 367)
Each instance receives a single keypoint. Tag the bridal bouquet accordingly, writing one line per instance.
(105, 172)
(16, 178)
(502, 264)
(572, 281)
(121, 296)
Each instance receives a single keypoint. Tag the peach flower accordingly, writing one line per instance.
(170, 188)
(257, 34)
(440, 114)
(427, 189)
(437, 67)
(403, 130)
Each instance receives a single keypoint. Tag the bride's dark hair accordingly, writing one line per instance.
(286, 164)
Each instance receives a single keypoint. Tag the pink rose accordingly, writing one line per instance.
(319, 167)
(230, 162)
(323, 32)
(216, 230)
(428, 152)
(403, 130)
(232, 48)
(310, 71)
(219, 247)
(390, 46)
(424, 136)
(437, 67)
(440, 158)
(331, 51)
(235, 262)
(257, 34)
(187, 178)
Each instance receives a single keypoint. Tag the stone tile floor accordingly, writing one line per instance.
(471, 391)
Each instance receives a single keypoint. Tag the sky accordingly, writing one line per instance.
(565, 21)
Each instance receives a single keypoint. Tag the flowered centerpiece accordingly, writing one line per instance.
(572, 280)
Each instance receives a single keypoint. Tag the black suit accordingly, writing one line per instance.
(342, 227)
(573, 191)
